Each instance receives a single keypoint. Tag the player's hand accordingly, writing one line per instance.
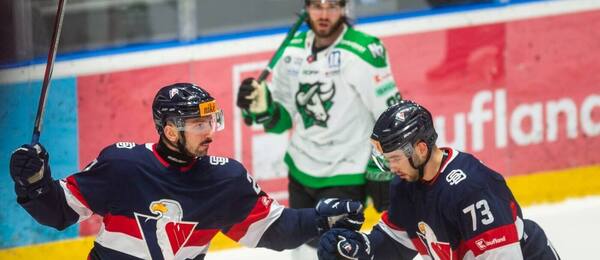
(29, 170)
(339, 213)
(344, 244)
(253, 96)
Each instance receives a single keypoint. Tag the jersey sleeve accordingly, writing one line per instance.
(489, 225)
(390, 238)
(370, 75)
(259, 211)
(89, 191)
(73, 199)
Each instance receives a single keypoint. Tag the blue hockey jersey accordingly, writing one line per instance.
(152, 210)
(465, 212)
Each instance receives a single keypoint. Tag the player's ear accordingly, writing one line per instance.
(171, 132)
(421, 148)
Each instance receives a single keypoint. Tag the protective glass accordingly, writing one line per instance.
(209, 123)
(382, 162)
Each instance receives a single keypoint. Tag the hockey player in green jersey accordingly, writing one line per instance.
(330, 85)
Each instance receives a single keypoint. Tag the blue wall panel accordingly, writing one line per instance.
(18, 106)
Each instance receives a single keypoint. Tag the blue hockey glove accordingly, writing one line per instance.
(30, 170)
(345, 244)
(339, 213)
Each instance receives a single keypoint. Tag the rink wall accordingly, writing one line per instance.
(517, 85)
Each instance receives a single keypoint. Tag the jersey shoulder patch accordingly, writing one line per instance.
(120, 151)
(366, 47)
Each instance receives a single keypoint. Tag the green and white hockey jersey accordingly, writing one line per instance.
(333, 100)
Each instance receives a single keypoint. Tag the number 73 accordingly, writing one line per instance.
(482, 206)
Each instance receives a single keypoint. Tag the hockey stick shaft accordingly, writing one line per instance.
(37, 128)
(288, 37)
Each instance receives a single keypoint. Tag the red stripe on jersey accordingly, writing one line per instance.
(386, 219)
(201, 237)
(513, 207)
(160, 159)
(166, 164)
(260, 211)
(494, 238)
(122, 224)
(74, 189)
(421, 248)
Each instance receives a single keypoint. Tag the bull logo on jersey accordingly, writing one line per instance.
(435, 249)
(165, 228)
(313, 102)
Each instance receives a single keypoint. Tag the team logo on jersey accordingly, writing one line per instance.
(436, 249)
(313, 102)
(165, 228)
(455, 176)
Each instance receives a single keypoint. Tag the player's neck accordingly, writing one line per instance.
(170, 154)
(324, 42)
(433, 165)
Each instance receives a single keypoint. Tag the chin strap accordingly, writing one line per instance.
(421, 167)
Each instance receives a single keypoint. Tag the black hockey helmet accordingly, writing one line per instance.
(181, 101)
(401, 126)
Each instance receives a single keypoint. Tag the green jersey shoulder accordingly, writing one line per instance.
(369, 48)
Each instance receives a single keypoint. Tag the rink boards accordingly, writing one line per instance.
(520, 89)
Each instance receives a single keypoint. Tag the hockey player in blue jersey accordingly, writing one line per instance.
(169, 199)
(445, 204)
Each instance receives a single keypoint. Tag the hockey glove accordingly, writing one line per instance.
(254, 96)
(30, 170)
(345, 244)
(339, 213)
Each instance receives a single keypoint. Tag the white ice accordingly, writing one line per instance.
(573, 226)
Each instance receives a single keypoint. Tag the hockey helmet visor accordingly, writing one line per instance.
(383, 162)
(210, 118)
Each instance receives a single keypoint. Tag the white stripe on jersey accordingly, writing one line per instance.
(74, 203)
(399, 236)
(191, 252)
(123, 243)
(258, 228)
(454, 154)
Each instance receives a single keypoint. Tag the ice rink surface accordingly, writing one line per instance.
(573, 227)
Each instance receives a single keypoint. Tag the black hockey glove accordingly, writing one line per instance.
(344, 244)
(339, 213)
(255, 101)
(244, 93)
(30, 171)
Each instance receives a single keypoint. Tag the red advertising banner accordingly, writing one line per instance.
(523, 96)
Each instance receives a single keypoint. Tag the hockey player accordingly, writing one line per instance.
(326, 81)
(444, 204)
(168, 200)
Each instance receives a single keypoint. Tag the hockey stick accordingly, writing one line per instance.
(37, 128)
(288, 37)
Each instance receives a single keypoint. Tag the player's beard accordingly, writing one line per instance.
(201, 149)
(328, 33)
